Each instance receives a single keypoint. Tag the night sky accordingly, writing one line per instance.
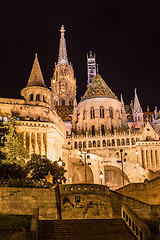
(125, 35)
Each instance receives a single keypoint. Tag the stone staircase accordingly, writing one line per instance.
(84, 229)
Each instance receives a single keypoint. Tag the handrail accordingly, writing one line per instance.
(140, 230)
(34, 224)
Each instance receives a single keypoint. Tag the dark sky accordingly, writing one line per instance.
(125, 35)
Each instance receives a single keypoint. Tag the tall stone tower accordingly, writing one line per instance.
(63, 84)
(91, 66)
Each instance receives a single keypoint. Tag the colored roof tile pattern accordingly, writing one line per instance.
(98, 88)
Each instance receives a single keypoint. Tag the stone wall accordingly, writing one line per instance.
(23, 201)
(85, 201)
(148, 192)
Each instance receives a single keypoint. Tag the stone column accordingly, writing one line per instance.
(42, 144)
(36, 143)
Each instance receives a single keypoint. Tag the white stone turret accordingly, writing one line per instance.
(137, 112)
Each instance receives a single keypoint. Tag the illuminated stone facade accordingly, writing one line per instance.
(100, 123)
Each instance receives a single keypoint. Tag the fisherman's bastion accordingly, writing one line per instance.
(100, 139)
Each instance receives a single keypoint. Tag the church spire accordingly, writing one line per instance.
(62, 59)
(137, 106)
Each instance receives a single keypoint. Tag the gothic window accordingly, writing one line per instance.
(93, 131)
(102, 130)
(92, 113)
(37, 97)
(31, 97)
(63, 102)
(111, 113)
(101, 112)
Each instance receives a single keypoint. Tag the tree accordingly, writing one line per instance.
(12, 149)
(39, 166)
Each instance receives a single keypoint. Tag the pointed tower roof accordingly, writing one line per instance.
(62, 59)
(137, 106)
(36, 78)
(122, 100)
(98, 88)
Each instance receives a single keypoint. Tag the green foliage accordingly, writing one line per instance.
(12, 171)
(13, 221)
(12, 146)
(38, 168)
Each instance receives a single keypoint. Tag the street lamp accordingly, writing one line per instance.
(86, 156)
(121, 161)
(101, 176)
(60, 163)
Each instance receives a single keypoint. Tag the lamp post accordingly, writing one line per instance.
(121, 161)
(60, 163)
(86, 156)
(101, 176)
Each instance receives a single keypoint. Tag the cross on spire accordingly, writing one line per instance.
(62, 59)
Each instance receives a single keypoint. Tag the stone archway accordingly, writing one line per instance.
(78, 173)
(113, 177)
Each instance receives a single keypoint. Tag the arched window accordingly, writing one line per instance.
(122, 142)
(84, 114)
(89, 144)
(102, 130)
(94, 143)
(63, 102)
(104, 143)
(84, 144)
(101, 112)
(111, 113)
(92, 113)
(93, 131)
(55, 103)
(118, 142)
(31, 97)
(75, 145)
(98, 143)
(44, 100)
(37, 97)
(108, 143)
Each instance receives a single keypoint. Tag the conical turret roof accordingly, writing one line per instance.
(98, 88)
(36, 78)
(137, 106)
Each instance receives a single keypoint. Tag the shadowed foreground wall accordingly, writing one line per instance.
(23, 201)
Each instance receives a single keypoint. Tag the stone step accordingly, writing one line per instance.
(84, 229)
